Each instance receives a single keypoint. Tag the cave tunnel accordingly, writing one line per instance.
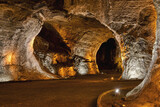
(106, 56)
(49, 39)
(51, 51)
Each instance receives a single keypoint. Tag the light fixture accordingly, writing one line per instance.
(117, 92)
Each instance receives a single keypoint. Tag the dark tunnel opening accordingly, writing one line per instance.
(106, 56)
(52, 38)
(51, 50)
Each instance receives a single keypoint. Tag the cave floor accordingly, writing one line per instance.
(82, 91)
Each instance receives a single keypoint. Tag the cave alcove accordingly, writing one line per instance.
(50, 36)
(51, 51)
(107, 56)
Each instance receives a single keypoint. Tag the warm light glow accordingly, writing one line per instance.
(71, 71)
(66, 72)
(9, 58)
(62, 72)
(122, 57)
(123, 53)
(89, 58)
(112, 78)
(91, 67)
(55, 59)
(31, 44)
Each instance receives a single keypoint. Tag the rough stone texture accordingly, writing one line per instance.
(138, 45)
(147, 93)
(72, 48)
(134, 19)
(17, 32)
(108, 11)
(51, 51)
(132, 22)
(127, 19)
(138, 60)
(83, 36)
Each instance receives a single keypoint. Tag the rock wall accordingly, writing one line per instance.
(45, 44)
(133, 23)
(108, 11)
(147, 93)
(17, 32)
(84, 37)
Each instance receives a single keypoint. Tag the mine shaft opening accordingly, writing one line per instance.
(107, 56)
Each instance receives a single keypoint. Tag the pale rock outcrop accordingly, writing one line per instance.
(137, 58)
(147, 93)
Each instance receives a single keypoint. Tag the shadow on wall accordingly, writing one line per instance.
(52, 4)
(108, 56)
(56, 43)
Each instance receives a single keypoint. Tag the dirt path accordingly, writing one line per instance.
(80, 92)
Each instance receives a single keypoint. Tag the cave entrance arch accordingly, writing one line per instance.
(51, 51)
(107, 56)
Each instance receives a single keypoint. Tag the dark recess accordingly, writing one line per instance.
(106, 55)
(56, 43)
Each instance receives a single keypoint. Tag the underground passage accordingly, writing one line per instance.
(79, 53)
(106, 56)
(50, 40)
(51, 51)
